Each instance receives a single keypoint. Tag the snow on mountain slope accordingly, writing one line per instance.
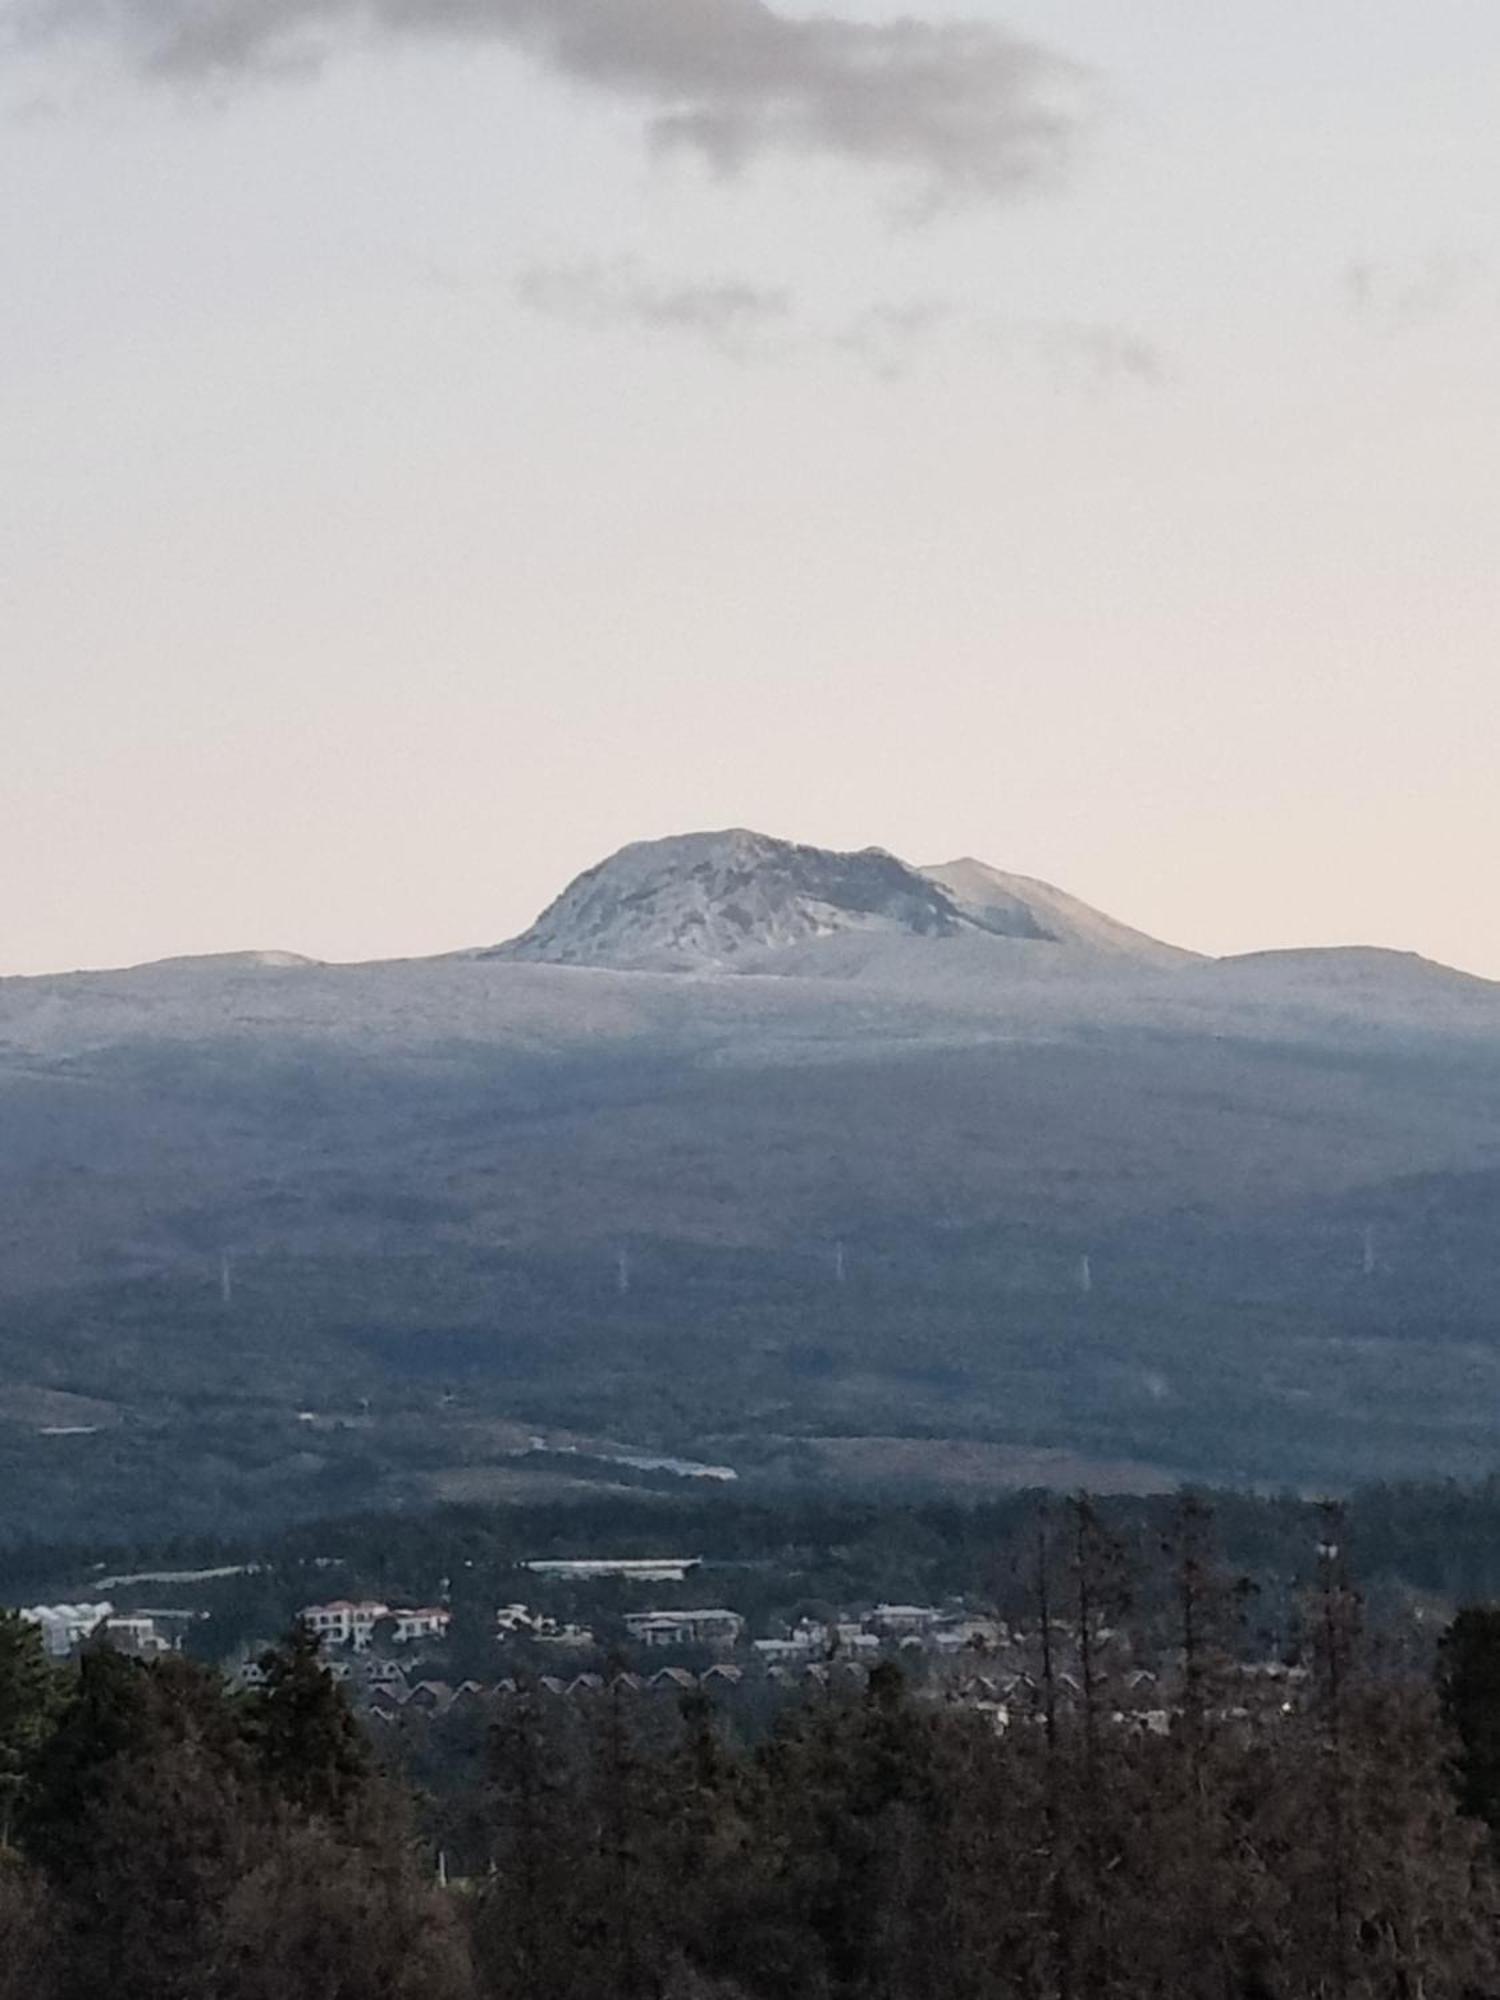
(1019, 906)
(1354, 968)
(834, 957)
(233, 961)
(703, 901)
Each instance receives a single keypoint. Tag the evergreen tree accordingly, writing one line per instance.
(104, 1715)
(534, 1932)
(1469, 1692)
(30, 1696)
(307, 1742)
(318, 1915)
(141, 1815)
(27, 1953)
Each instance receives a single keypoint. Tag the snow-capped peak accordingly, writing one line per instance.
(706, 900)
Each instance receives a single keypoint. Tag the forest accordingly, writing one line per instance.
(1329, 1833)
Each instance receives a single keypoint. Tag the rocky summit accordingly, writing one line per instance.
(722, 901)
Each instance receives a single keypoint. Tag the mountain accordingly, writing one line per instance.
(1019, 906)
(706, 901)
(978, 1176)
(726, 901)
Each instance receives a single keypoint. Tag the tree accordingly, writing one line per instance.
(528, 1926)
(1469, 1694)
(29, 1701)
(306, 1740)
(27, 1965)
(320, 1915)
(141, 1815)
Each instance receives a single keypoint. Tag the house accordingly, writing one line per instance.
(343, 1623)
(723, 1675)
(897, 1621)
(675, 1680)
(429, 1621)
(518, 1621)
(977, 1688)
(384, 1673)
(136, 1634)
(568, 1638)
(65, 1626)
(433, 1697)
(979, 1635)
(685, 1628)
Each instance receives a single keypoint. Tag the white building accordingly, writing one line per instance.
(685, 1628)
(898, 1621)
(429, 1621)
(782, 1652)
(65, 1626)
(137, 1634)
(343, 1623)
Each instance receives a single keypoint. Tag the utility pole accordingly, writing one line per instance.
(226, 1281)
(1086, 1274)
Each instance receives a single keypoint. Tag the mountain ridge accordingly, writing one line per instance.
(714, 901)
(739, 902)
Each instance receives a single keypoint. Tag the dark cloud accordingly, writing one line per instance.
(961, 107)
(728, 314)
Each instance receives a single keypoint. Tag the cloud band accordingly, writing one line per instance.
(964, 107)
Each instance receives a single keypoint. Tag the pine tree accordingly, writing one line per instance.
(307, 1743)
(318, 1915)
(30, 1697)
(141, 1815)
(1469, 1692)
(28, 1965)
(530, 1931)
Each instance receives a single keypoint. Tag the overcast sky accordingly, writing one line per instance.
(443, 440)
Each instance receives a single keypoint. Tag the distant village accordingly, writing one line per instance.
(393, 1658)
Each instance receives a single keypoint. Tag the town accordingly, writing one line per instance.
(399, 1659)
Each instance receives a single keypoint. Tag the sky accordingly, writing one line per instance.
(444, 440)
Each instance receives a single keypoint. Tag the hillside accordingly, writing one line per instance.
(277, 1235)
